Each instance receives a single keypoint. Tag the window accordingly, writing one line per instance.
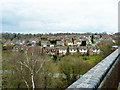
(90, 52)
(98, 52)
(64, 53)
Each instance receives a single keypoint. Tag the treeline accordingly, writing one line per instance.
(20, 36)
(11, 36)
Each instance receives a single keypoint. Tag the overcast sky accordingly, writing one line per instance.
(54, 16)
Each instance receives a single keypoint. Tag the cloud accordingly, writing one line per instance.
(59, 16)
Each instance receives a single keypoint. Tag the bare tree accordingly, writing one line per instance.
(30, 65)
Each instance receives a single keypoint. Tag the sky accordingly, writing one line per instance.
(59, 16)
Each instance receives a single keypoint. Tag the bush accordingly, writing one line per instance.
(72, 67)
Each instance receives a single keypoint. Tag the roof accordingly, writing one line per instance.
(82, 47)
(72, 47)
(114, 46)
(50, 48)
(62, 47)
(59, 42)
(88, 47)
(44, 42)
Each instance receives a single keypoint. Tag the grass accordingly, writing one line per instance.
(90, 59)
(94, 56)
(89, 45)
(85, 58)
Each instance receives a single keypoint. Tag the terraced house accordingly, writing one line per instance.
(93, 50)
(83, 50)
(60, 43)
(69, 43)
(50, 50)
(62, 51)
(45, 43)
(77, 42)
(72, 50)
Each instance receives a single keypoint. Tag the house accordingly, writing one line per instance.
(72, 50)
(50, 50)
(69, 43)
(93, 50)
(60, 43)
(88, 41)
(15, 48)
(51, 45)
(83, 50)
(62, 50)
(96, 36)
(44, 43)
(52, 38)
(113, 48)
(17, 43)
(33, 42)
(77, 42)
(44, 37)
(98, 51)
(32, 49)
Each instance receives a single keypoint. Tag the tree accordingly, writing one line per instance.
(92, 37)
(105, 47)
(100, 36)
(72, 40)
(72, 67)
(32, 65)
(30, 71)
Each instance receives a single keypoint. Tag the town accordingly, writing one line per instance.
(61, 44)
(52, 60)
